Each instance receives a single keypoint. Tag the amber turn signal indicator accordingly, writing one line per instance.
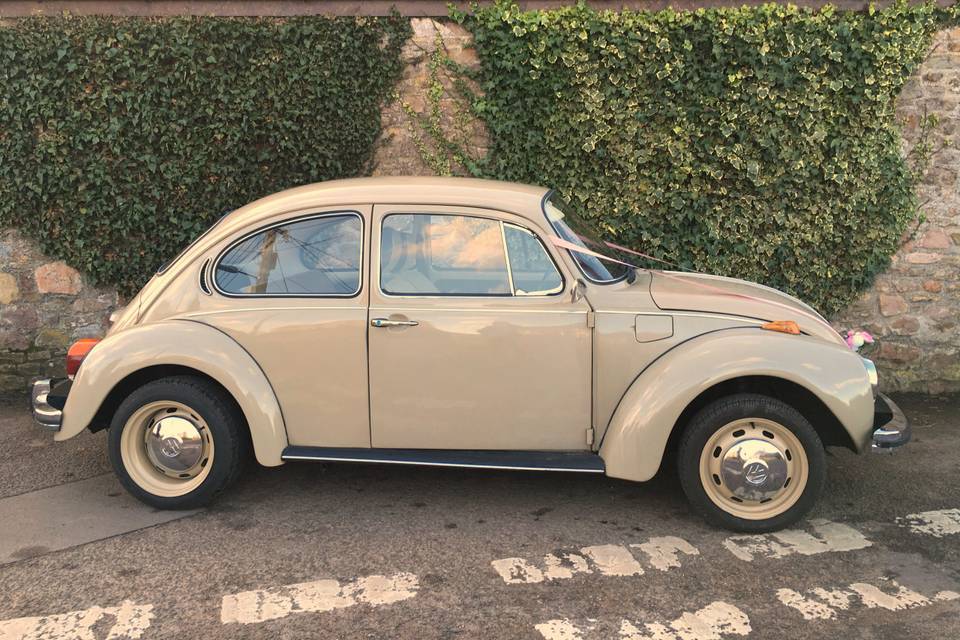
(77, 352)
(783, 326)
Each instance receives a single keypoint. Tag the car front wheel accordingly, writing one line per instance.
(177, 442)
(751, 463)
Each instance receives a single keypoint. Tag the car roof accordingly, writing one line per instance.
(520, 199)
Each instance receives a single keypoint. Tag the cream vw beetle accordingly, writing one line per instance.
(459, 322)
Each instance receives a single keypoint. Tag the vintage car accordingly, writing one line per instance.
(463, 323)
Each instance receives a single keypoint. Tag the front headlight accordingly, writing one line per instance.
(872, 374)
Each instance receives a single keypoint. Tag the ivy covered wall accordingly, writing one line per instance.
(122, 139)
(756, 142)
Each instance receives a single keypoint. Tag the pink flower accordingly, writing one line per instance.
(858, 338)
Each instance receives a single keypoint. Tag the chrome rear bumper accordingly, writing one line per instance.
(48, 398)
(891, 429)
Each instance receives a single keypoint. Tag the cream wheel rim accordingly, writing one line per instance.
(754, 468)
(166, 448)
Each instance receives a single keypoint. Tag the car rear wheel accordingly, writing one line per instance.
(751, 463)
(177, 442)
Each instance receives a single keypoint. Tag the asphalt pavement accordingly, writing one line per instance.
(358, 551)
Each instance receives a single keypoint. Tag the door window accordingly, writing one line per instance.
(317, 256)
(531, 268)
(440, 254)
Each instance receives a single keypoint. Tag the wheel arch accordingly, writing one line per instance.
(140, 377)
(130, 358)
(827, 383)
(823, 420)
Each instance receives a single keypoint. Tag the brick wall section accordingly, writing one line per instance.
(914, 307)
(44, 306)
(397, 153)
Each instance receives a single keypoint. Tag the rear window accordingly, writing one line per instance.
(317, 256)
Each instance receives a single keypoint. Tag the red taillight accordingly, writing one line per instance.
(77, 352)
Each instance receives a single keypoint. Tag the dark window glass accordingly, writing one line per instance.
(316, 256)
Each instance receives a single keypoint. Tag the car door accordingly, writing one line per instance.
(475, 340)
(291, 291)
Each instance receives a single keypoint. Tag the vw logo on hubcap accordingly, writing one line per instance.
(170, 447)
(755, 473)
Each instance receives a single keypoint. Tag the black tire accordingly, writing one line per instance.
(227, 429)
(709, 420)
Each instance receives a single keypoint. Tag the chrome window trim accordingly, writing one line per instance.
(294, 220)
(466, 296)
(506, 258)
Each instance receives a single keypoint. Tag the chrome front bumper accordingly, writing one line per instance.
(891, 429)
(48, 398)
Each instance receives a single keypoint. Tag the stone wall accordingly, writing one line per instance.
(913, 309)
(44, 306)
(405, 148)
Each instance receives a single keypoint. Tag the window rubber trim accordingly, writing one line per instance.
(294, 220)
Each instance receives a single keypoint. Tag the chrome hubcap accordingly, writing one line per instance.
(754, 470)
(176, 443)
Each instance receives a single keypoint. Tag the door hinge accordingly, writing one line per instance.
(590, 437)
(591, 319)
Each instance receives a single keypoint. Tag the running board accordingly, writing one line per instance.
(578, 462)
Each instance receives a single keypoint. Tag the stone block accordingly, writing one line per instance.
(57, 277)
(905, 325)
(52, 338)
(923, 258)
(9, 289)
(892, 305)
(935, 239)
(896, 352)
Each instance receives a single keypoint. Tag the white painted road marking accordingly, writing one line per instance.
(250, 607)
(559, 629)
(606, 559)
(831, 536)
(713, 622)
(938, 524)
(663, 551)
(129, 621)
(613, 560)
(825, 604)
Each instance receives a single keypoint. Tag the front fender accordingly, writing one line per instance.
(188, 344)
(636, 438)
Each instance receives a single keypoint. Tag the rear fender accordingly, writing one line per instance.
(635, 441)
(187, 344)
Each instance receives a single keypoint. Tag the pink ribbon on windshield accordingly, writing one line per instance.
(570, 246)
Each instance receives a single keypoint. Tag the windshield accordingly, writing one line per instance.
(573, 228)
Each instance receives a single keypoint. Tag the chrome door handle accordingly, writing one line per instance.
(386, 322)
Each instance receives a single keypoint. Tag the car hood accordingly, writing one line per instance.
(678, 291)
